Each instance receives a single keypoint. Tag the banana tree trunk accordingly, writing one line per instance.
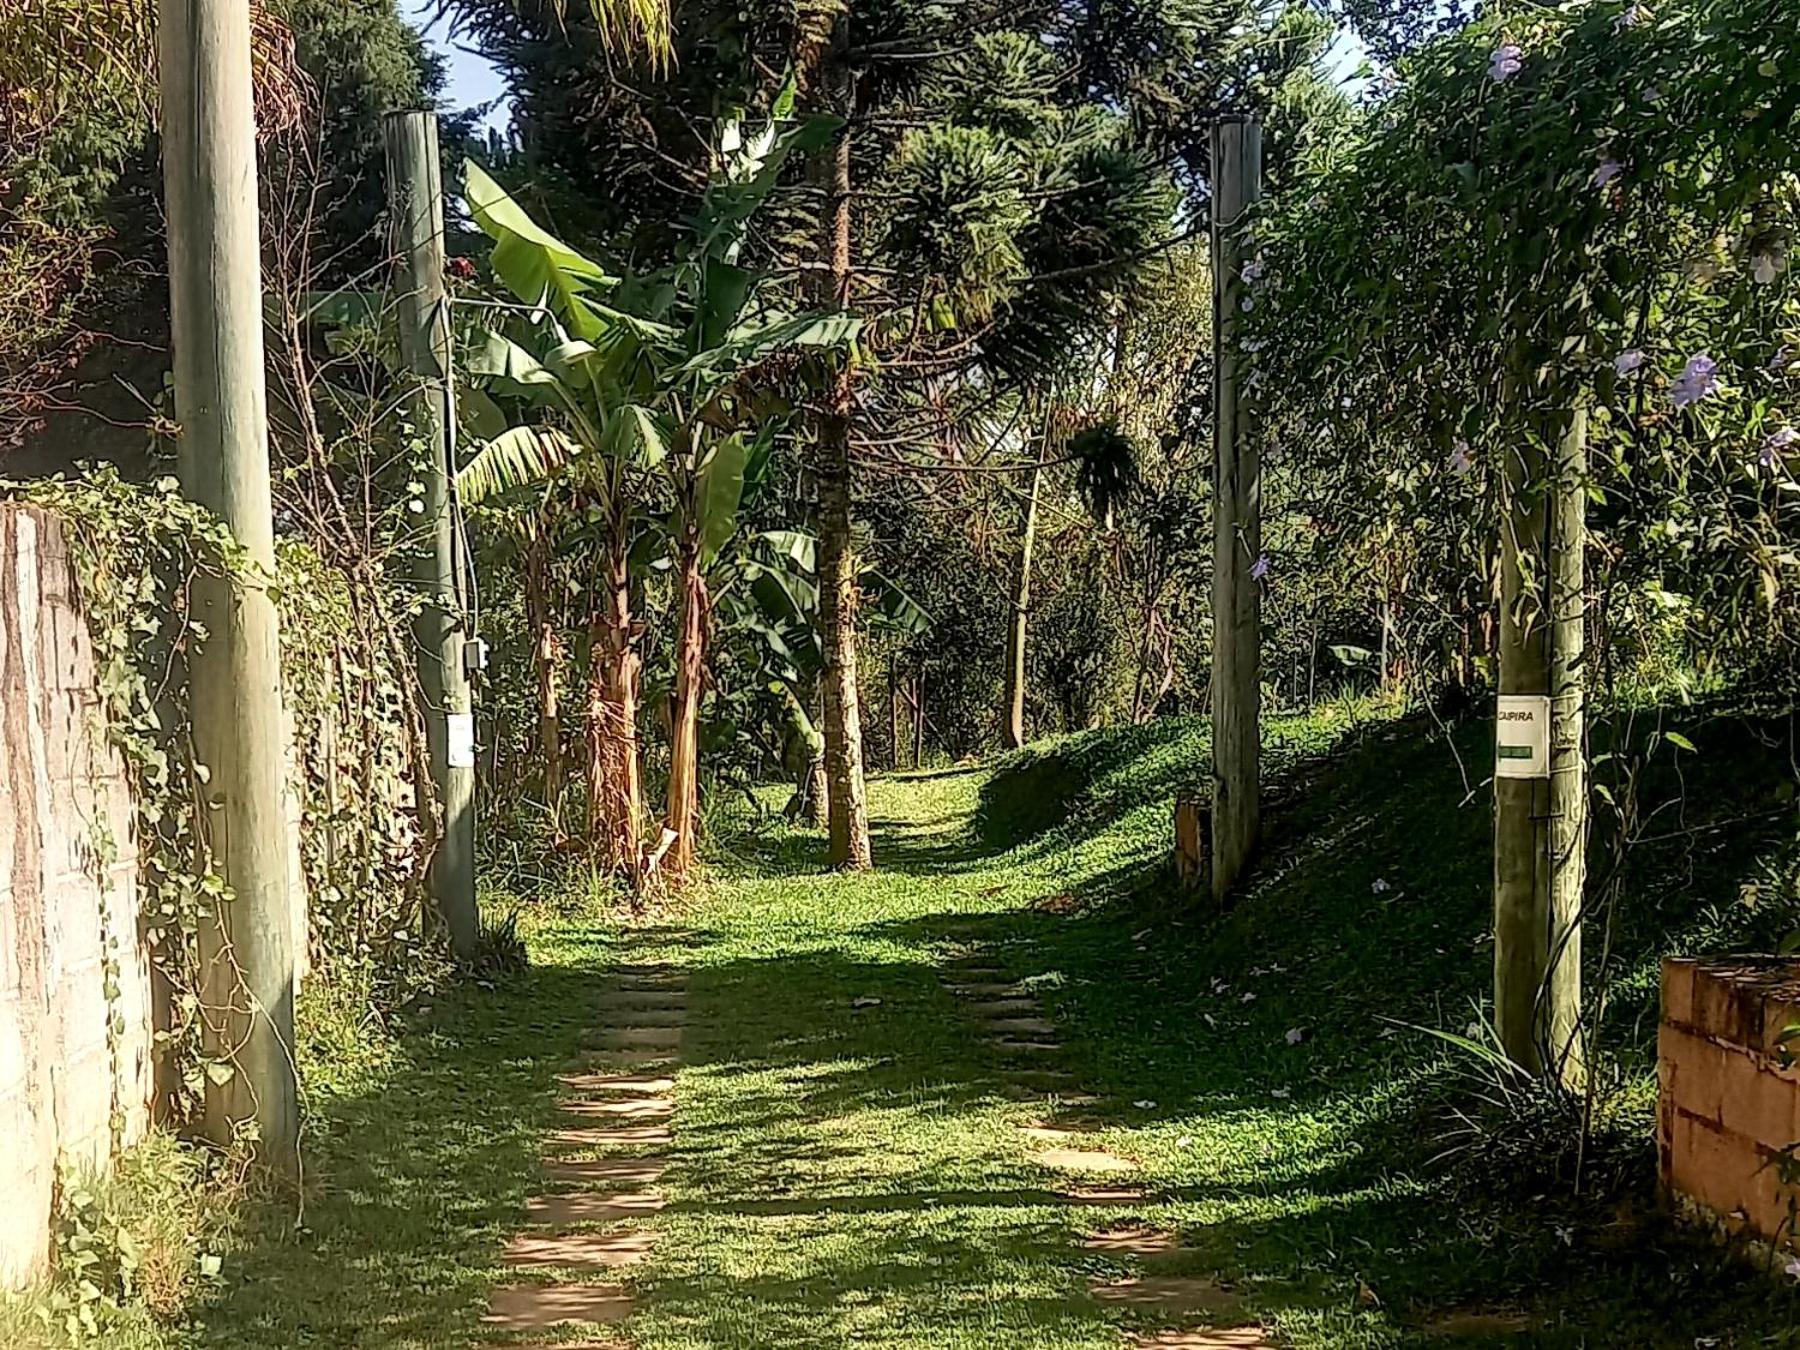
(547, 659)
(684, 713)
(615, 803)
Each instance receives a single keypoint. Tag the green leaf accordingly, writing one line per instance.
(516, 458)
(536, 265)
(718, 488)
(1675, 738)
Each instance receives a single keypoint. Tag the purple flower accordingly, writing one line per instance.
(1459, 458)
(1768, 263)
(1260, 568)
(1507, 61)
(1628, 362)
(1608, 170)
(1698, 381)
(1775, 448)
(1254, 270)
(1782, 358)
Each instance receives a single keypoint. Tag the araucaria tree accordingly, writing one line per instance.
(1000, 173)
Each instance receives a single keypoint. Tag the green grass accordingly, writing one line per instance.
(851, 1176)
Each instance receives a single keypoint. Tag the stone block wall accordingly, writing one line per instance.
(1729, 1121)
(75, 1059)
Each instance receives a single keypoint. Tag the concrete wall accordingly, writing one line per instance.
(1730, 1107)
(69, 1086)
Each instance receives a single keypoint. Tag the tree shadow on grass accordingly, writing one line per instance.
(1264, 1065)
(418, 1169)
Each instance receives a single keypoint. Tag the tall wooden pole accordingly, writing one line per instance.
(416, 205)
(1237, 517)
(1017, 633)
(848, 845)
(1540, 782)
(215, 299)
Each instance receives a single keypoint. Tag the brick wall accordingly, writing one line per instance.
(1730, 1108)
(68, 905)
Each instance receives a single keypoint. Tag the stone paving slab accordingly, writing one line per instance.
(537, 1307)
(573, 1207)
(989, 989)
(1174, 1295)
(1004, 1007)
(634, 1017)
(599, 1171)
(1109, 1196)
(1133, 1240)
(1084, 1160)
(591, 1081)
(1205, 1338)
(616, 1058)
(610, 1136)
(636, 1038)
(618, 1108)
(1014, 1045)
(578, 1251)
(1030, 1026)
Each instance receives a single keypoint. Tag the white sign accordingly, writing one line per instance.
(1522, 736)
(462, 740)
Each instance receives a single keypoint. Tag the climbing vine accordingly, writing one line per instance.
(360, 795)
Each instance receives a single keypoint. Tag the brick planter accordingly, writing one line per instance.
(1730, 1111)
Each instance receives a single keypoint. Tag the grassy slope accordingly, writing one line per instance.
(850, 1176)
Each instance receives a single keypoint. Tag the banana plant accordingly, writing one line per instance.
(644, 388)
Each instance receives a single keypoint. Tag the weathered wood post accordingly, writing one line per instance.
(1237, 516)
(1540, 766)
(216, 316)
(416, 205)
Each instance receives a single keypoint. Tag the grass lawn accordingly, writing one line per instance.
(847, 1172)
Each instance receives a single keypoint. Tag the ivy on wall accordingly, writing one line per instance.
(358, 762)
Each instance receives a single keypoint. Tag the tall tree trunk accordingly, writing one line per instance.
(615, 802)
(547, 659)
(1013, 733)
(846, 792)
(684, 711)
(1540, 802)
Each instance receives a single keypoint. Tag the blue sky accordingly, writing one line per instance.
(470, 80)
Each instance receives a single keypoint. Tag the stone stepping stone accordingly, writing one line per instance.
(1084, 1160)
(562, 1211)
(537, 1307)
(1014, 1045)
(1110, 1196)
(988, 990)
(630, 1019)
(624, 1108)
(1173, 1295)
(642, 998)
(1024, 1026)
(609, 1057)
(617, 1082)
(578, 1251)
(610, 1136)
(1205, 1338)
(1133, 1240)
(1004, 1007)
(606, 1171)
(636, 1038)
